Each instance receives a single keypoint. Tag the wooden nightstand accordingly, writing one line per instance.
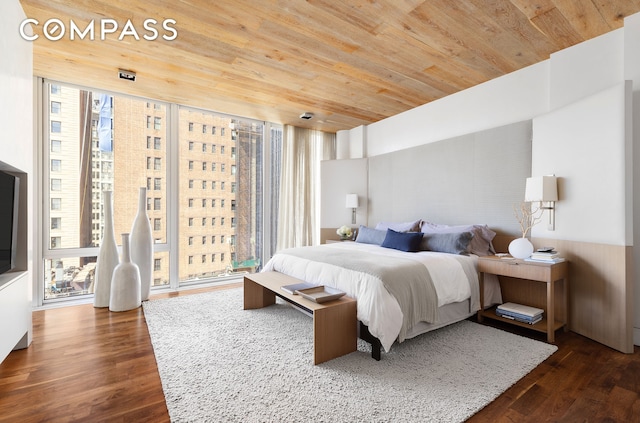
(555, 315)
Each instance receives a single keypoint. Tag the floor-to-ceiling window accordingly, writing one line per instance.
(220, 194)
(208, 164)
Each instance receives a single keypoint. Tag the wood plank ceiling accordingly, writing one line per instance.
(349, 62)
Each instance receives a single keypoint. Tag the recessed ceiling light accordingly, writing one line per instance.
(128, 75)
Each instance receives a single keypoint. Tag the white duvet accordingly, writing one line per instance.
(377, 308)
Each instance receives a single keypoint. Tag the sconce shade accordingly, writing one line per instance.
(541, 188)
(352, 201)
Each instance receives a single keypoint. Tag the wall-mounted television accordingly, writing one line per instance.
(9, 191)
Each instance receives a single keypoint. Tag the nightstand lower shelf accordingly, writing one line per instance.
(540, 326)
(515, 270)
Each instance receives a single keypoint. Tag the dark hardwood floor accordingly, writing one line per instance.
(90, 365)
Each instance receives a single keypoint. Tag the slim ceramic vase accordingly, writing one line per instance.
(142, 245)
(107, 257)
(125, 285)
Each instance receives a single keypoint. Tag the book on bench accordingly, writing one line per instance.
(291, 289)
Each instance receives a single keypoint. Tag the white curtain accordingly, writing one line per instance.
(299, 208)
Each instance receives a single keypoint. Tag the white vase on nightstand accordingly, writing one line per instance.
(520, 248)
(142, 245)
(107, 257)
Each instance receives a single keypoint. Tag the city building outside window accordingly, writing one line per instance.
(118, 161)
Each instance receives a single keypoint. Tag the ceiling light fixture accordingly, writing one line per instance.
(306, 115)
(128, 75)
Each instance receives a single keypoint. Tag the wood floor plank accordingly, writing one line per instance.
(88, 364)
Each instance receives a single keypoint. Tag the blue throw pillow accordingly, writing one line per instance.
(403, 241)
(370, 236)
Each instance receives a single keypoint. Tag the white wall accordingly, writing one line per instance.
(585, 145)
(567, 76)
(632, 73)
(512, 98)
(351, 144)
(339, 178)
(16, 150)
(586, 68)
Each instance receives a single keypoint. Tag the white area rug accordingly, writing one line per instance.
(219, 363)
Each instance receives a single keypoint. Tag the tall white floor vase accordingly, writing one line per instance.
(107, 257)
(125, 285)
(142, 245)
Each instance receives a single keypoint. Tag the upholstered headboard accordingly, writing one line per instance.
(474, 178)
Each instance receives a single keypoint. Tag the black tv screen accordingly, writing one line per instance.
(8, 220)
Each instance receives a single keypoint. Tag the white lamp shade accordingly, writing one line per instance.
(352, 201)
(541, 188)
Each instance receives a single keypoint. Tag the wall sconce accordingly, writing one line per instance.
(352, 203)
(544, 190)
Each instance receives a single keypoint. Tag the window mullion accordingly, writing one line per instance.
(173, 215)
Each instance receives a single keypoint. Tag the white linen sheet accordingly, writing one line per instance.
(378, 309)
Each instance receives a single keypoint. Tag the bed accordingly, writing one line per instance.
(401, 294)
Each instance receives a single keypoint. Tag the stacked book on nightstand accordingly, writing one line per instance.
(545, 255)
(520, 313)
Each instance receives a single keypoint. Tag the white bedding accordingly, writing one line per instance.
(377, 308)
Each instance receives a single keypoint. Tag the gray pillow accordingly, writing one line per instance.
(370, 236)
(481, 244)
(413, 226)
(454, 243)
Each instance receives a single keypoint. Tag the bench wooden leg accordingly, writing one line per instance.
(335, 332)
(256, 295)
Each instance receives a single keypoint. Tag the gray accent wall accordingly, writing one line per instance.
(470, 179)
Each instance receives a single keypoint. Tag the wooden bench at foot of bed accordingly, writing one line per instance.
(335, 323)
